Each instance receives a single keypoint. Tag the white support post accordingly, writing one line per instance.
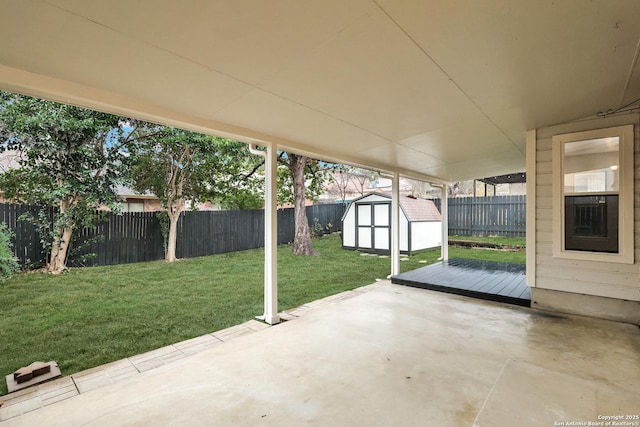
(270, 235)
(531, 208)
(444, 213)
(271, 238)
(395, 224)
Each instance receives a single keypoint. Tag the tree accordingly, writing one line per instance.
(297, 165)
(69, 160)
(453, 189)
(419, 189)
(299, 178)
(242, 199)
(179, 166)
(362, 178)
(346, 179)
(338, 182)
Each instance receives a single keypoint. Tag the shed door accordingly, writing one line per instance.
(364, 221)
(374, 226)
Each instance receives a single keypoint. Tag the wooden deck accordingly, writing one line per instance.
(494, 281)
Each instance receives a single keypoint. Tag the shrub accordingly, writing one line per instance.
(8, 262)
(316, 228)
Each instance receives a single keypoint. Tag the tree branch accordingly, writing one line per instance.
(250, 174)
(281, 159)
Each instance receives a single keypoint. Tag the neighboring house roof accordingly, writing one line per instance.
(127, 192)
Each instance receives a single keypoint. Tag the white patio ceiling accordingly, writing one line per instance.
(441, 89)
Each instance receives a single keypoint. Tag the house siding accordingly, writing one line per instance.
(601, 279)
(152, 205)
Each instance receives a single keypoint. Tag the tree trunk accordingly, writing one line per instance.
(302, 240)
(60, 245)
(59, 248)
(172, 240)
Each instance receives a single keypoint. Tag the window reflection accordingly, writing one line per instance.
(591, 166)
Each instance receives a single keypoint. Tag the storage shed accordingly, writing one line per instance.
(366, 224)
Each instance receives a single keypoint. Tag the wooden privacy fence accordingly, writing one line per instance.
(487, 216)
(26, 241)
(137, 237)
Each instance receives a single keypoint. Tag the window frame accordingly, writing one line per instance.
(625, 253)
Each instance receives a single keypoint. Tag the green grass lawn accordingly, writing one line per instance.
(91, 316)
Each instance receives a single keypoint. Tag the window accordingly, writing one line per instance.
(593, 195)
(591, 223)
(133, 205)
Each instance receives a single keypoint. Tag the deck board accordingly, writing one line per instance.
(494, 281)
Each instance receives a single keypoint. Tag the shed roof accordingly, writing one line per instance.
(419, 209)
(415, 210)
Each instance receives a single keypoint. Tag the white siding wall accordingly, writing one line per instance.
(605, 279)
(426, 235)
(404, 232)
(349, 227)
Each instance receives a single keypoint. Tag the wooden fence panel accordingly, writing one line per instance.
(26, 240)
(286, 226)
(119, 239)
(487, 216)
(137, 237)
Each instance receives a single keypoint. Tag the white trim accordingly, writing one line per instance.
(625, 253)
(531, 208)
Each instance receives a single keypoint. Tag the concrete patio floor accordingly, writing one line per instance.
(381, 355)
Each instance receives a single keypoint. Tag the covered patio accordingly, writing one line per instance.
(434, 91)
(380, 355)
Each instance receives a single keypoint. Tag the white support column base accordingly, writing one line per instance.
(271, 319)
